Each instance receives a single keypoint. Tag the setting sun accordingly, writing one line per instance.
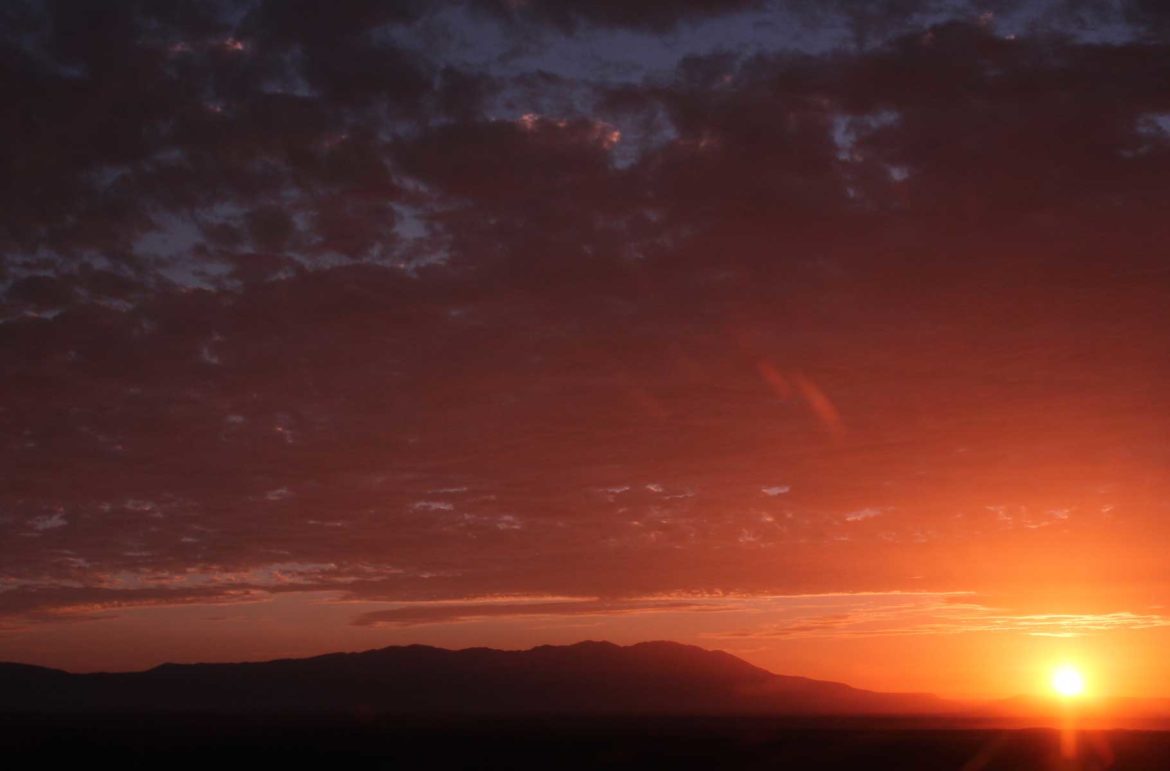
(1067, 681)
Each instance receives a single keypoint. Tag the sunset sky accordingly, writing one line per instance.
(832, 335)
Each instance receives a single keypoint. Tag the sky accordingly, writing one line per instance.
(833, 335)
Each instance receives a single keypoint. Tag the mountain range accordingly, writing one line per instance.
(595, 678)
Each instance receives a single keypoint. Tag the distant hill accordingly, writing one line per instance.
(1089, 712)
(595, 678)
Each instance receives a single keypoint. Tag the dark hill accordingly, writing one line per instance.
(586, 678)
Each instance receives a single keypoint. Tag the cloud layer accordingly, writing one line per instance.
(426, 302)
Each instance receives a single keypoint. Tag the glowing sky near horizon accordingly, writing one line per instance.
(834, 336)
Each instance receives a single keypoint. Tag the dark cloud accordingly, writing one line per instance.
(568, 15)
(432, 613)
(282, 293)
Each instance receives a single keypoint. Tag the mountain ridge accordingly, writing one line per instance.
(590, 677)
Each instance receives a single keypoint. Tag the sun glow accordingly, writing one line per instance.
(1067, 681)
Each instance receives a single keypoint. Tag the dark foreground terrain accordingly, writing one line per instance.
(182, 742)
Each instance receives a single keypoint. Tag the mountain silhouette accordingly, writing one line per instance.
(586, 678)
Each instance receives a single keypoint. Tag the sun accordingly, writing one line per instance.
(1067, 681)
